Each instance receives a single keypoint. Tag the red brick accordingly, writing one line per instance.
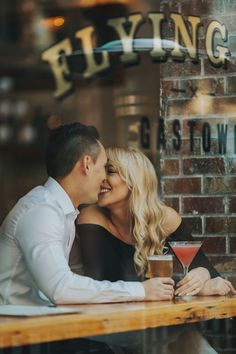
(187, 87)
(231, 165)
(212, 105)
(224, 184)
(198, 128)
(203, 86)
(184, 149)
(232, 246)
(170, 88)
(214, 245)
(181, 185)
(174, 69)
(168, 29)
(203, 165)
(179, 107)
(201, 7)
(169, 124)
(172, 202)
(214, 147)
(169, 167)
(231, 84)
(232, 205)
(209, 69)
(184, 88)
(185, 142)
(170, 6)
(169, 151)
(198, 148)
(189, 107)
(205, 205)
(220, 225)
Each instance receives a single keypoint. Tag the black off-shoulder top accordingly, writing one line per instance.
(105, 257)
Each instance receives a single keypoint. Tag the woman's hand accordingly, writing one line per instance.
(217, 286)
(159, 289)
(193, 282)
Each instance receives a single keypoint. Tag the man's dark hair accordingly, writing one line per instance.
(67, 144)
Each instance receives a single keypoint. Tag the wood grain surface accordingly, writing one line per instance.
(100, 319)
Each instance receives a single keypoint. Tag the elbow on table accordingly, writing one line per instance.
(58, 294)
(59, 297)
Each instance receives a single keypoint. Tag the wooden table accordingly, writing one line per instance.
(113, 318)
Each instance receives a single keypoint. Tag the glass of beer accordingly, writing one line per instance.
(160, 266)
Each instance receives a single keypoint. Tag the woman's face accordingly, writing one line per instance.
(114, 190)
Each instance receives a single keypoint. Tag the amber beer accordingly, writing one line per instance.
(160, 266)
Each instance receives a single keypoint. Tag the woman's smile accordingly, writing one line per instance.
(104, 190)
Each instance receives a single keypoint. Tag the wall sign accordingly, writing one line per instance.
(184, 45)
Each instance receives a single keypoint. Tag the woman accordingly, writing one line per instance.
(130, 222)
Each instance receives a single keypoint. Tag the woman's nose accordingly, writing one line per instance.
(104, 180)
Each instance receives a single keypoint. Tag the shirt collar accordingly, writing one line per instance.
(60, 196)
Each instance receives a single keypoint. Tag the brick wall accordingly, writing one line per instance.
(201, 184)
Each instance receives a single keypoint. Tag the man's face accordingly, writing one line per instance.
(97, 175)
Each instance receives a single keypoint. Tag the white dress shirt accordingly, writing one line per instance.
(35, 242)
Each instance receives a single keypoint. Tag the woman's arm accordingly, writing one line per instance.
(182, 233)
(217, 286)
(201, 270)
(203, 278)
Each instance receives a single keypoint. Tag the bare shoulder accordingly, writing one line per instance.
(171, 220)
(92, 215)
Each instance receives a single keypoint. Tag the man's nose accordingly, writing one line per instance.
(104, 175)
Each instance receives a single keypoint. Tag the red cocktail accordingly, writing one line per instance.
(185, 251)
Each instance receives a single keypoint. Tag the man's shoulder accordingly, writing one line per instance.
(38, 197)
(39, 200)
(36, 204)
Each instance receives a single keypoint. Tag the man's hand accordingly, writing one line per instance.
(159, 289)
(217, 286)
(193, 282)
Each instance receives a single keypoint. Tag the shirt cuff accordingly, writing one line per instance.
(137, 290)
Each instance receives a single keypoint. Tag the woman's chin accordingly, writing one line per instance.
(101, 202)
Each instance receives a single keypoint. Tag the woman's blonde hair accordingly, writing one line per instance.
(146, 209)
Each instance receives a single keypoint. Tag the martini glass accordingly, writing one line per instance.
(185, 251)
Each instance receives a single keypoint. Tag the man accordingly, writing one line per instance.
(37, 235)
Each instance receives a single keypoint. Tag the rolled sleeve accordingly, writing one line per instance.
(43, 247)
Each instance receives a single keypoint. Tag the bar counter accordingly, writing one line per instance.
(98, 319)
